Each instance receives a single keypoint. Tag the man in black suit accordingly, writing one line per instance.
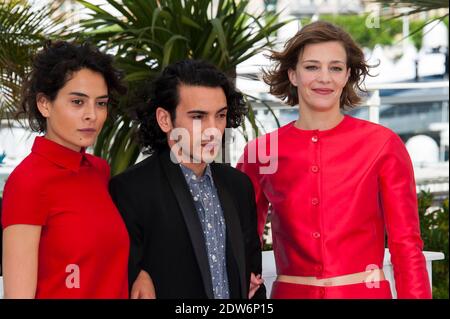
(192, 222)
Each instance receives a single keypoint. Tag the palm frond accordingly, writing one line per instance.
(414, 6)
(423, 5)
(150, 34)
(22, 30)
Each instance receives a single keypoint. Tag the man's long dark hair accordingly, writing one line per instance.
(164, 93)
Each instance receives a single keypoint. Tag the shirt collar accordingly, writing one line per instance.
(190, 175)
(58, 154)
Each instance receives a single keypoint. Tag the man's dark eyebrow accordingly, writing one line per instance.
(222, 109)
(85, 95)
(197, 112)
(205, 112)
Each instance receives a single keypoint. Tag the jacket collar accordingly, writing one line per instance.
(184, 198)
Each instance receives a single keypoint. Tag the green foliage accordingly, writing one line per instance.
(416, 28)
(389, 33)
(369, 37)
(148, 35)
(364, 36)
(22, 31)
(434, 230)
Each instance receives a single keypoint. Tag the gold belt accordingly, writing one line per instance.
(356, 278)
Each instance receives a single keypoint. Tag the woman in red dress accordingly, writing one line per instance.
(63, 237)
(335, 183)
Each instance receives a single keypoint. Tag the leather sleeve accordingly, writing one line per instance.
(252, 171)
(399, 202)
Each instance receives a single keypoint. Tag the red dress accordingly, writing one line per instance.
(333, 195)
(83, 249)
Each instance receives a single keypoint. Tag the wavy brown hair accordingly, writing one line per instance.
(316, 32)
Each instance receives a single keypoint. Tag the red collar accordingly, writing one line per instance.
(58, 154)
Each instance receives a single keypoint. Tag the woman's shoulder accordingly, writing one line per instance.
(368, 126)
(376, 137)
(266, 139)
(29, 174)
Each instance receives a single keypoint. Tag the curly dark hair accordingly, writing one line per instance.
(52, 68)
(164, 93)
(317, 32)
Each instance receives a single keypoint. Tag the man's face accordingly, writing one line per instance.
(200, 121)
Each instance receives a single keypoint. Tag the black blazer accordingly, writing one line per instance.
(166, 235)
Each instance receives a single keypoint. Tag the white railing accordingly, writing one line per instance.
(374, 102)
(269, 269)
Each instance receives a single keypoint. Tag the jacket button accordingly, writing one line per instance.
(316, 235)
(315, 201)
(315, 139)
(314, 168)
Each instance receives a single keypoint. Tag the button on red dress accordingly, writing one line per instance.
(83, 249)
(333, 195)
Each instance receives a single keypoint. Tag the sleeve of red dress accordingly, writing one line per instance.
(252, 171)
(399, 202)
(23, 202)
